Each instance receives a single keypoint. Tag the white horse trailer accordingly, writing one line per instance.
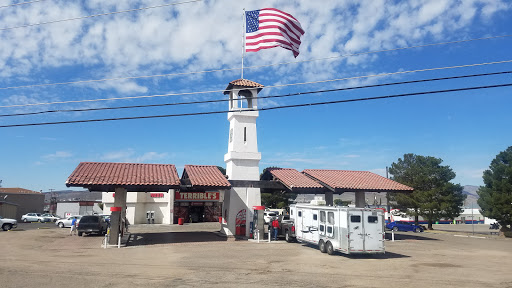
(343, 229)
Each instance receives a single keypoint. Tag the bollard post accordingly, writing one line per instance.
(258, 235)
(392, 236)
(105, 246)
(119, 241)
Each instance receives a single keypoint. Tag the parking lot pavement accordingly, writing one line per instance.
(419, 260)
(35, 226)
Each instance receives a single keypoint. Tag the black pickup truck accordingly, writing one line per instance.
(286, 228)
(92, 224)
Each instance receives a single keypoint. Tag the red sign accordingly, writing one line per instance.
(157, 195)
(195, 196)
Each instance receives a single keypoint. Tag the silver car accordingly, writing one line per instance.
(52, 218)
(67, 221)
(34, 217)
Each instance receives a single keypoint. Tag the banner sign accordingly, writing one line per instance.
(195, 196)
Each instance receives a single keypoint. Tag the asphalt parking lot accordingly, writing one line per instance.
(195, 256)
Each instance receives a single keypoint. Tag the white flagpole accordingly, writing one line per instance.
(243, 42)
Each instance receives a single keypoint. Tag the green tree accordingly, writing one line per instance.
(276, 199)
(222, 170)
(496, 194)
(434, 196)
(339, 202)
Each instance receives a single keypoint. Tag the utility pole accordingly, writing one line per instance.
(472, 219)
(387, 199)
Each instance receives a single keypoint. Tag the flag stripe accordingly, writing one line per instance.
(276, 33)
(294, 23)
(264, 23)
(269, 28)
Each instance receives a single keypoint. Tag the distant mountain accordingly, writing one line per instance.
(472, 196)
(71, 195)
(373, 198)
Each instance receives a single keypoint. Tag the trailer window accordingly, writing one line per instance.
(300, 213)
(373, 219)
(355, 218)
(322, 228)
(329, 229)
(315, 217)
(322, 216)
(330, 217)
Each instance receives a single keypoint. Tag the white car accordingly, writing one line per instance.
(52, 218)
(8, 224)
(269, 215)
(67, 221)
(34, 217)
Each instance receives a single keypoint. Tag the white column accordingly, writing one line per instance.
(360, 199)
(171, 206)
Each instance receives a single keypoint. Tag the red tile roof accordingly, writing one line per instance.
(18, 191)
(355, 180)
(123, 174)
(242, 83)
(205, 175)
(292, 178)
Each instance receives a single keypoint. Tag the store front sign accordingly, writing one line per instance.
(195, 196)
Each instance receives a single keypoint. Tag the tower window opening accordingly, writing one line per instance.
(245, 134)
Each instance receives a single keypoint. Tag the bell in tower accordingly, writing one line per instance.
(242, 159)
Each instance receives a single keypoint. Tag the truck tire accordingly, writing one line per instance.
(61, 225)
(80, 234)
(7, 227)
(395, 229)
(329, 248)
(321, 246)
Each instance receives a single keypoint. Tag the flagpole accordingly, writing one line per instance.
(243, 42)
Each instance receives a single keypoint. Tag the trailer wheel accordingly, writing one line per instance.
(329, 248)
(288, 237)
(321, 246)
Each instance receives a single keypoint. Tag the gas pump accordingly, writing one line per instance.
(115, 225)
(258, 222)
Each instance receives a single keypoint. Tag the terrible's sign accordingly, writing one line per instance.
(197, 196)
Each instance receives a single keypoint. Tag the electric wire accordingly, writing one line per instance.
(97, 15)
(21, 3)
(250, 67)
(272, 86)
(262, 97)
(261, 109)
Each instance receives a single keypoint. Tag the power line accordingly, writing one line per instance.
(262, 109)
(21, 3)
(263, 97)
(96, 15)
(272, 86)
(251, 67)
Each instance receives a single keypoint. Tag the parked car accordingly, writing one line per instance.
(52, 218)
(34, 217)
(92, 224)
(404, 226)
(269, 215)
(67, 221)
(8, 224)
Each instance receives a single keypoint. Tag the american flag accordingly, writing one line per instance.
(269, 28)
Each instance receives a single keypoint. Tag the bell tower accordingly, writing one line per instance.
(242, 159)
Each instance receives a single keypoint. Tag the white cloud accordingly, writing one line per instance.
(58, 155)
(207, 35)
(130, 156)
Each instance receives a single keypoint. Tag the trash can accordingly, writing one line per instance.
(180, 221)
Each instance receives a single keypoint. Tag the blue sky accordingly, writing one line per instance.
(466, 129)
